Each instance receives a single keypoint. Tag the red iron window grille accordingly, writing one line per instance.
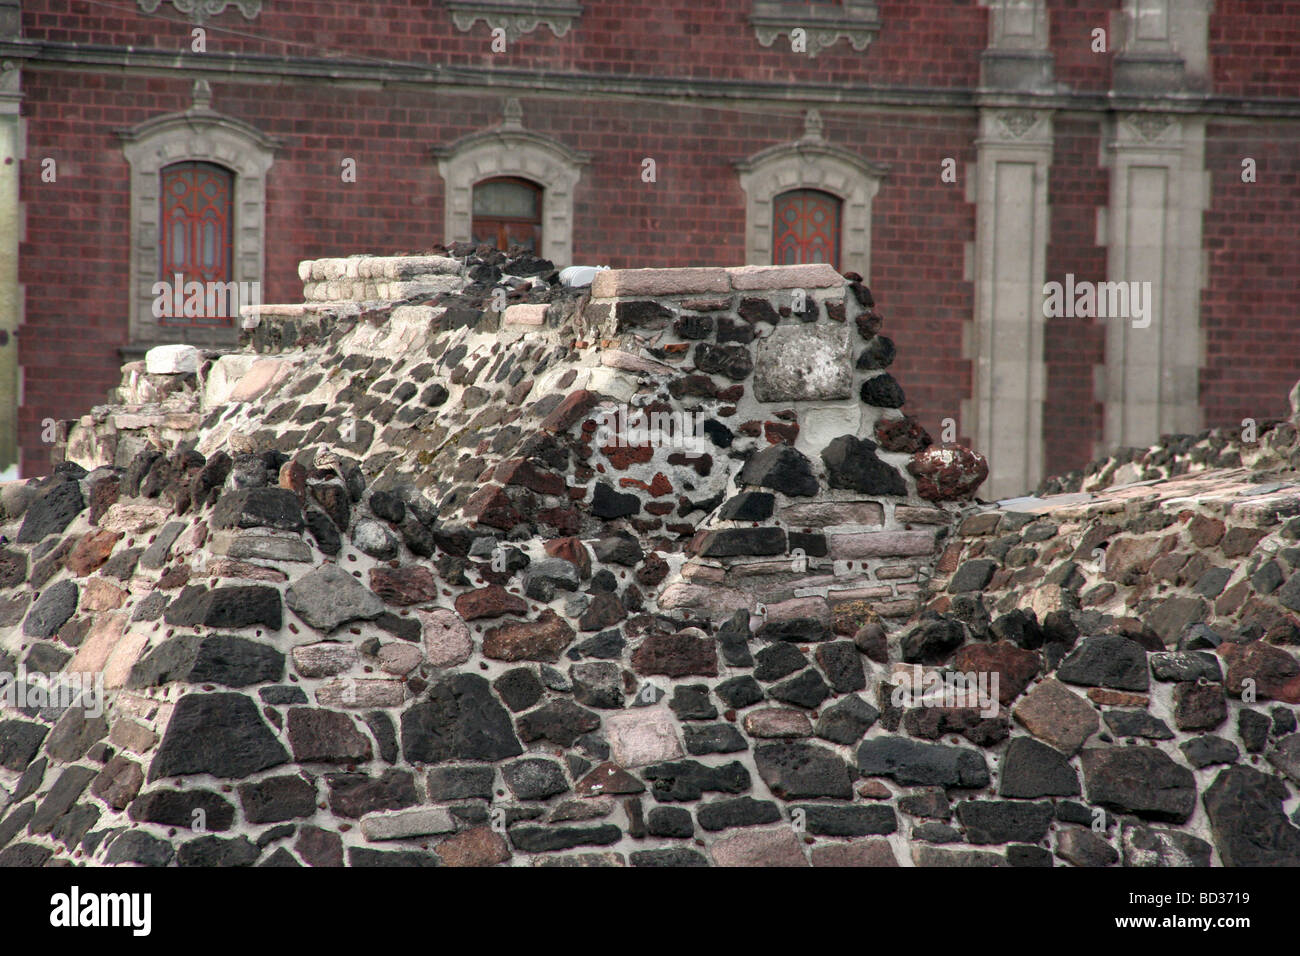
(508, 212)
(805, 228)
(198, 233)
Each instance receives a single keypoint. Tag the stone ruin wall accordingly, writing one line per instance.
(372, 591)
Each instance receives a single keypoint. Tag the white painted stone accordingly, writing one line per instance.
(804, 363)
(171, 360)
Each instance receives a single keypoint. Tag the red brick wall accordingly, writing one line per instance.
(922, 42)
(1255, 47)
(1248, 309)
(1071, 24)
(1077, 187)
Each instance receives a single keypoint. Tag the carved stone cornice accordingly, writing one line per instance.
(200, 10)
(516, 17)
(857, 21)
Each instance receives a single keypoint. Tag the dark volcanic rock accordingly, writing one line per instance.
(1139, 780)
(241, 606)
(1003, 821)
(458, 719)
(883, 391)
(51, 610)
(1208, 750)
(676, 655)
(608, 504)
(221, 734)
(795, 771)
(748, 506)
(904, 435)
(560, 721)
(277, 799)
(733, 542)
(807, 689)
(1137, 723)
(845, 721)
(258, 508)
(733, 361)
(972, 575)
(1107, 660)
(52, 512)
(851, 463)
(737, 812)
(19, 742)
(355, 794)
(536, 839)
(1032, 769)
(914, 762)
(534, 778)
(176, 808)
(782, 469)
(215, 851)
(217, 658)
(930, 642)
(685, 780)
(1247, 819)
(326, 736)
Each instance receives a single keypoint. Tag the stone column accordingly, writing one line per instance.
(1004, 416)
(12, 152)
(1153, 228)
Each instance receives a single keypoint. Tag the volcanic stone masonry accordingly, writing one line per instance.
(380, 588)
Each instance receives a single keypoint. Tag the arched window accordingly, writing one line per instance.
(508, 212)
(805, 228)
(786, 185)
(197, 233)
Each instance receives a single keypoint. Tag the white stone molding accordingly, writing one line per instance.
(516, 17)
(200, 10)
(825, 24)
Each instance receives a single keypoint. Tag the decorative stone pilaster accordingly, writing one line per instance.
(1017, 56)
(1162, 46)
(1159, 192)
(1004, 416)
(12, 152)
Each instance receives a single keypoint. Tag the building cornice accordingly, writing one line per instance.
(42, 55)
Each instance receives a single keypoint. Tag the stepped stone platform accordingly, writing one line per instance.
(454, 565)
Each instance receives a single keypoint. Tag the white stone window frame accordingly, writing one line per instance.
(203, 136)
(811, 165)
(514, 152)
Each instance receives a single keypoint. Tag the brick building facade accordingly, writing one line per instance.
(959, 155)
